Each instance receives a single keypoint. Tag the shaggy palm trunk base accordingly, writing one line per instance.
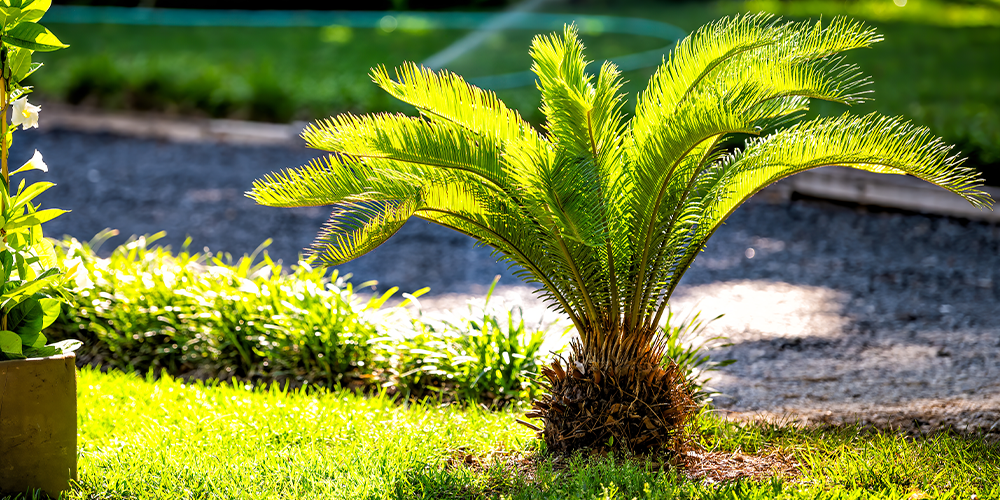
(639, 406)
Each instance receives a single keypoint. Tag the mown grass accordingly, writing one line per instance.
(145, 439)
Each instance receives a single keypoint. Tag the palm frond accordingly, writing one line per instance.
(415, 141)
(446, 96)
(729, 41)
(506, 227)
(328, 181)
(355, 229)
(871, 142)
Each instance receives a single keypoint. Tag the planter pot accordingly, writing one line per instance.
(38, 424)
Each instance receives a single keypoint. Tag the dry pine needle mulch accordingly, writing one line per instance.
(711, 467)
(718, 467)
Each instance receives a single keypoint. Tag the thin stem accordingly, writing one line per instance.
(3, 129)
(4, 98)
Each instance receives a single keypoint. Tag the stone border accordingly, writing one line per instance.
(894, 191)
(173, 129)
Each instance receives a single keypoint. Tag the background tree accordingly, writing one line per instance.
(604, 212)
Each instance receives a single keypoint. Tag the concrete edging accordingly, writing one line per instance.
(894, 191)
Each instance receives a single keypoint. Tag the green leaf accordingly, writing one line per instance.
(50, 310)
(35, 9)
(25, 195)
(33, 340)
(7, 261)
(32, 219)
(41, 352)
(18, 294)
(33, 36)
(34, 67)
(20, 63)
(25, 319)
(10, 15)
(10, 342)
(46, 254)
(14, 3)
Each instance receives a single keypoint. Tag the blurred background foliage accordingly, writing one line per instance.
(939, 64)
(294, 5)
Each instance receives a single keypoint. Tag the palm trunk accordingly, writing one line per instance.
(613, 401)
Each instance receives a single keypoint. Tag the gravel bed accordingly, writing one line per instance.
(843, 312)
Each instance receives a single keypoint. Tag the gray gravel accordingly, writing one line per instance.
(142, 186)
(841, 308)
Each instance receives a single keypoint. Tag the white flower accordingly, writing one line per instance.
(25, 114)
(35, 163)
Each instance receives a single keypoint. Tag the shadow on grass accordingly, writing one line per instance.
(518, 476)
(748, 460)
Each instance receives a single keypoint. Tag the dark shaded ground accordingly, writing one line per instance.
(143, 186)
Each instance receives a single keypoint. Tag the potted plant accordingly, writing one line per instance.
(37, 380)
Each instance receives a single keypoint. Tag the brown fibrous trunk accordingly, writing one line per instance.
(639, 405)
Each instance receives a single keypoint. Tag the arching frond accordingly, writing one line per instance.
(328, 181)
(872, 142)
(472, 210)
(738, 76)
(724, 43)
(446, 96)
(414, 141)
(355, 229)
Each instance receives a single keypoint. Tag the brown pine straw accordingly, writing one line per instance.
(709, 467)
(719, 467)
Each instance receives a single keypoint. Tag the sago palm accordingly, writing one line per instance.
(606, 212)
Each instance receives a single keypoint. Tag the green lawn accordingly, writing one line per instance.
(144, 439)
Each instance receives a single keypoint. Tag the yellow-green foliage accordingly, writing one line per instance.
(145, 308)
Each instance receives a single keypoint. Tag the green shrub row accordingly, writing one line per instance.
(146, 309)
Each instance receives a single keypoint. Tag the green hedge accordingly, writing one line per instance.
(146, 309)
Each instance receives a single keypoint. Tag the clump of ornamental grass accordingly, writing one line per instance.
(603, 211)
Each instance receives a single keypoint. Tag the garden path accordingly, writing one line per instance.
(840, 312)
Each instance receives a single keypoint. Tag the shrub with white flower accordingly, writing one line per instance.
(32, 286)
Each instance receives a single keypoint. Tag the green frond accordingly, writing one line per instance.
(493, 221)
(872, 142)
(446, 96)
(412, 141)
(328, 181)
(738, 76)
(567, 92)
(355, 229)
(582, 182)
(701, 52)
(733, 42)
(810, 41)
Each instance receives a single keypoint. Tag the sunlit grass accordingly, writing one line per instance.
(147, 439)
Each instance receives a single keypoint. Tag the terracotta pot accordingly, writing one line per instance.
(38, 424)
